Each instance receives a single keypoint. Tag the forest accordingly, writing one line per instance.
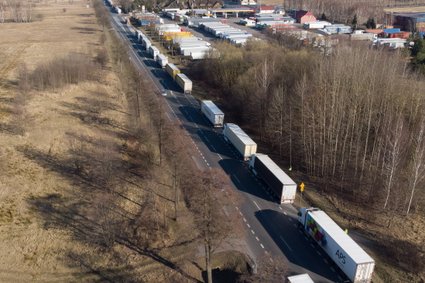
(353, 120)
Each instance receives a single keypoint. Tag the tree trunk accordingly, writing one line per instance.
(208, 262)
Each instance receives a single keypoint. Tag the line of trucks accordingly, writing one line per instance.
(261, 165)
(181, 79)
(356, 264)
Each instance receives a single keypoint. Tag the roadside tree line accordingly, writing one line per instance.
(355, 120)
(347, 11)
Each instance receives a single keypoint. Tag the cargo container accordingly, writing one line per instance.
(280, 184)
(316, 25)
(212, 112)
(363, 36)
(347, 254)
(240, 140)
(186, 51)
(302, 278)
(199, 55)
(184, 82)
(162, 60)
(172, 70)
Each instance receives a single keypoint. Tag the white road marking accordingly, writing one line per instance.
(256, 204)
(318, 253)
(219, 156)
(237, 179)
(244, 219)
(212, 146)
(257, 238)
(281, 209)
(286, 244)
(271, 259)
(237, 208)
(285, 213)
(252, 231)
(290, 219)
(262, 246)
(249, 226)
(333, 269)
(325, 261)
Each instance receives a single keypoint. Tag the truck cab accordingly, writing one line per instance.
(302, 214)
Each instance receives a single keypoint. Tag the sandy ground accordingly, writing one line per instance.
(46, 231)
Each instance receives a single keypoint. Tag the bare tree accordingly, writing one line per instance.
(393, 156)
(206, 202)
(417, 171)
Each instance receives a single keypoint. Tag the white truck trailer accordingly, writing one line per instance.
(172, 70)
(146, 44)
(240, 140)
(184, 82)
(162, 60)
(212, 112)
(301, 278)
(153, 51)
(347, 254)
(280, 184)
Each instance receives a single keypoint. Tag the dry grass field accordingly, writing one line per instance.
(48, 231)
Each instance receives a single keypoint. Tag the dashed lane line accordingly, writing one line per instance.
(333, 269)
(249, 226)
(252, 231)
(221, 158)
(262, 246)
(281, 209)
(256, 205)
(244, 219)
(257, 238)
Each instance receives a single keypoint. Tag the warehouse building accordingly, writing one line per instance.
(412, 22)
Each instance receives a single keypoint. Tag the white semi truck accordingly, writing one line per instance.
(281, 185)
(347, 254)
(212, 112)
(240, 140)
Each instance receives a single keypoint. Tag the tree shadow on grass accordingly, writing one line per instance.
(100, 223)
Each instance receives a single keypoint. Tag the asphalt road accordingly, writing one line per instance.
(271, 228)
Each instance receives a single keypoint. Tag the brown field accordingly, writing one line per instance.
(46, 228)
